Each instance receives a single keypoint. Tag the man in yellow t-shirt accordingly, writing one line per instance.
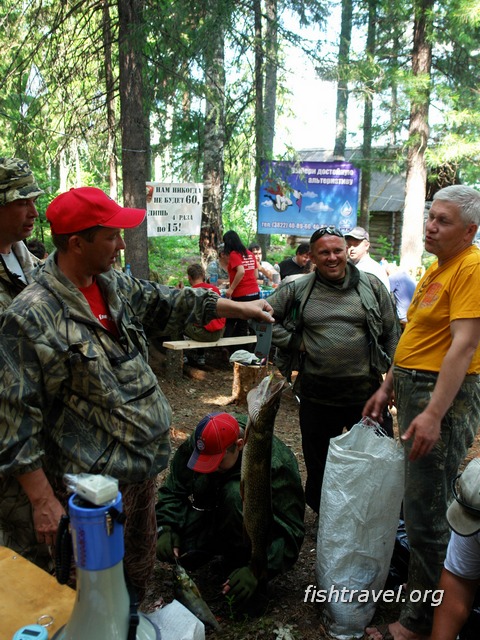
(436, 384)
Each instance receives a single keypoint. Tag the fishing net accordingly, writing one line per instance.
(140, 533)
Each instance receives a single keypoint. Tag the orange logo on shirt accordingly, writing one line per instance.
(431, 294)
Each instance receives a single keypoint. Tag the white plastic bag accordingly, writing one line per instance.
(362, 493)
(176, 622)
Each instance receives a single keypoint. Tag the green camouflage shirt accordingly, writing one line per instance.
(73, 398)
(10, 284)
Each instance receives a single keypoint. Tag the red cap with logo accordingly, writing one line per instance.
(86, 207)
(213, 435)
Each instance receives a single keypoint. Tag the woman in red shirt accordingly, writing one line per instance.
(243, 274)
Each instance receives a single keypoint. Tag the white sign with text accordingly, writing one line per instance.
(174, 209)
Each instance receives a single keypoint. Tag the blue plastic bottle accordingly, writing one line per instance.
(213, 279)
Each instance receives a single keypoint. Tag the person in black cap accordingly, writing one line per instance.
(461, 573)
(199, 507)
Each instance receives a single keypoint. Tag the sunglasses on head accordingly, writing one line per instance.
(468, 508)
(331, 230)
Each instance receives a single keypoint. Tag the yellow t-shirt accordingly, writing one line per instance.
(445, 293)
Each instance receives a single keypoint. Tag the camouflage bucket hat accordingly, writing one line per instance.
(16, 181)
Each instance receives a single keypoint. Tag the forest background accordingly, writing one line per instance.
(113, 94)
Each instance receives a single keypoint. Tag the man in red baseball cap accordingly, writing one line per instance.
(199, 507)
(87, 207)
(76, 391)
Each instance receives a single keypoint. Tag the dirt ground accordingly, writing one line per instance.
(288, 617)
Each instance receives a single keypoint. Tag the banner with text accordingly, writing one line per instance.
(297, 198)
(174, 209)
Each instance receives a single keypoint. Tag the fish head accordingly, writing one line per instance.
(264, 399)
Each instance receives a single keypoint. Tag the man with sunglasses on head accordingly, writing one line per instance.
(348, 336)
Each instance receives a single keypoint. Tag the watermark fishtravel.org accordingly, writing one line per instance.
(388, 596)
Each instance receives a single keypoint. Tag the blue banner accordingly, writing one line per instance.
(297, 198)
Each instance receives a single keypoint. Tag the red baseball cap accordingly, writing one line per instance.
(213, 435)
(86, 207)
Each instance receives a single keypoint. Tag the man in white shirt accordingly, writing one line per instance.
(461, 573)
(358, 242)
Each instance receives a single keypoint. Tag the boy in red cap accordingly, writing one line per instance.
(199, 508)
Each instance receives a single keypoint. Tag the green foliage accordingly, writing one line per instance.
(384, 249)
(62, 121)
(169, 258)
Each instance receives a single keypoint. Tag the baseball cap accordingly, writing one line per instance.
(358, 233)
(16, 181)
(213, 435)
(86, 207)
(463, 514)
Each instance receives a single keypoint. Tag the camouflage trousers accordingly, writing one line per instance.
(428, 486)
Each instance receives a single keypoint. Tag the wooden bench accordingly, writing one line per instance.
(175, 349)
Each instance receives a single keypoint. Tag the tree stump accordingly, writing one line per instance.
(174, 364)
(245, 377)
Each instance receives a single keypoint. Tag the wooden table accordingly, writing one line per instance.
(27, 592)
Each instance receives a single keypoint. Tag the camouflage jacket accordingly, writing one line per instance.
(10, 284)
(73, 398)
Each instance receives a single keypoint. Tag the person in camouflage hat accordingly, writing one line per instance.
(18, 193)
(17, 181)
(76, 391)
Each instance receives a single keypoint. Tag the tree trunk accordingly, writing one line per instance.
(367, 119)
(270, 102)
(134, 130)
(213, 171)
(110, 96)
(415, 187)
(259, 114)
(342, 87)
(245, 377)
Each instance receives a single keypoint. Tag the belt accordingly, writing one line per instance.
(422, 373)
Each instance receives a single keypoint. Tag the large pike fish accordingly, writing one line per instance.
(188, 594)
(255, 485)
